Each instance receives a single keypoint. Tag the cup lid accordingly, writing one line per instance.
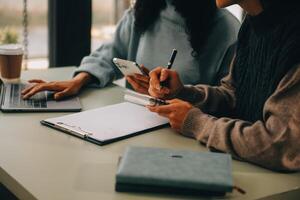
(11, 49)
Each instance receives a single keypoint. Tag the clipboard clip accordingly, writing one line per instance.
(76, 127)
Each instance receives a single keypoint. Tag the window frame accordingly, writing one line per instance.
(69, 27)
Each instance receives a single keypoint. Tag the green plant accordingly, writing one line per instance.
(8, 36)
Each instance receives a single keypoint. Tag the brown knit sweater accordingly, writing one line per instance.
(273, 143)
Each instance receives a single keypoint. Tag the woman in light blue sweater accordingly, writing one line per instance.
(147, 33)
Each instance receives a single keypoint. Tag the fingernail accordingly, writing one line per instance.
(158, 87)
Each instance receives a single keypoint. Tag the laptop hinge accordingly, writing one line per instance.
(2, 95)
(2, 92)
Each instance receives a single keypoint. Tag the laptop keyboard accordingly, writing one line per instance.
(38, 101)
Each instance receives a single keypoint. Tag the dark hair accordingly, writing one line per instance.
(279, 5)
(198, 15)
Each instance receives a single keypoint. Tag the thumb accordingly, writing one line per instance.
(61, 95)
(172, 101)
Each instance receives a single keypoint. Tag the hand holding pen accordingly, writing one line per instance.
(164, 82)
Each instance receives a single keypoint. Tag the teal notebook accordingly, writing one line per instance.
(174, 171)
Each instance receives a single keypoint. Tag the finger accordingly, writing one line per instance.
(142, 78)
(165, 90)
(145, 70)
(163, 110)
(132, 81)
(152, 109)
(155, 83)
(36, 81)
(26, 90)
(139, 83)
(172, 101)
(155, 93)
(162, 93)
(39, 88)
(154, 78)
(164, 115)
(129, 77)
(158, 93)
(138, 86)
(164, 74)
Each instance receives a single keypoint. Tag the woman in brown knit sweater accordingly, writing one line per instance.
(255, 113)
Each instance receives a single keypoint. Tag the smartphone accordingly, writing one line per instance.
(128, 67)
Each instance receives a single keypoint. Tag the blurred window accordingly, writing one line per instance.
(11, 17)
(106, 14)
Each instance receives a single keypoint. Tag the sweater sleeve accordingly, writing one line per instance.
(215, 100)
(99, 63)
(272, 143)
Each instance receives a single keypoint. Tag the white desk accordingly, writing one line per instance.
(37, 162)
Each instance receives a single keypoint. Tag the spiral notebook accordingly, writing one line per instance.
(108, 124)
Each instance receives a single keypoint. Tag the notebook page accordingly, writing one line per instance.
(111, 122)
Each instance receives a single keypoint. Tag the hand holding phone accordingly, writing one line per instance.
(128, 67)
(136, 75)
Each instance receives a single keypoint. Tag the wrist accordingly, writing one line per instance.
(178, 91)
(82, 79)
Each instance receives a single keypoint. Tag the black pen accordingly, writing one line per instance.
(169, 66)
(172, 58)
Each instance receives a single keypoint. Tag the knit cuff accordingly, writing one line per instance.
(95, 81)
(194, 124)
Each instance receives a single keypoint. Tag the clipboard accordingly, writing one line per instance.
(108, 124)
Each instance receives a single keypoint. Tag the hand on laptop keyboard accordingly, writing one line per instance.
(39, 100)
(61, 89)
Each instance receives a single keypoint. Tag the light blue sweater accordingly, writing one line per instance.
(153, 49)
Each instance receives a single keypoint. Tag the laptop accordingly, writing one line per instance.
(11, 100)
